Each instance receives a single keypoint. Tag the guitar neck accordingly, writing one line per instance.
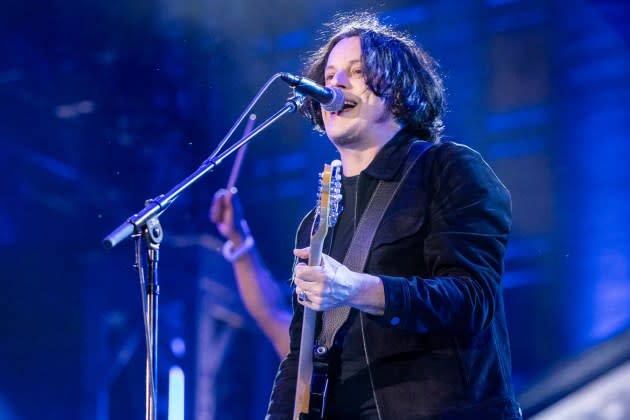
(327, 205)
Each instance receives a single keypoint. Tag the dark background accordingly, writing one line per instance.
(104, 104)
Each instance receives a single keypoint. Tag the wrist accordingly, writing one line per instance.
(370, 297)
(240, 233)
(232, 251)
(237, 239)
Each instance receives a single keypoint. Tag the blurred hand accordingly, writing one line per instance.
(227, 214)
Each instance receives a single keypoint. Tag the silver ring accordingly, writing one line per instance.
(302, 296)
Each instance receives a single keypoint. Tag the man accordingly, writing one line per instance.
(426, 336)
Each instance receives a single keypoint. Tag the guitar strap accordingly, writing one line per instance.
(357, 254)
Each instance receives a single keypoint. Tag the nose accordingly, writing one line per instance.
(340, 79)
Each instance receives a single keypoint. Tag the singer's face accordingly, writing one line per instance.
(364, 115)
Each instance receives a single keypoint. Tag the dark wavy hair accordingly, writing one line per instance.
(395, 69)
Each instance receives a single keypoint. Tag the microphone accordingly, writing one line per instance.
(331, 99)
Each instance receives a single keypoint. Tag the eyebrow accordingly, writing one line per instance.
(351, 62)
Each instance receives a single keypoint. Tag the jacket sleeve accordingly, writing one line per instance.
(468, 221)
(283, 392)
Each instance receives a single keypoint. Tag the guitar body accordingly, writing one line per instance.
(319, 386)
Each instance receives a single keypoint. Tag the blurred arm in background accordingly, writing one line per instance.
(260, 293)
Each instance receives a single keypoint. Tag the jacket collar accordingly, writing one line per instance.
(391, 157)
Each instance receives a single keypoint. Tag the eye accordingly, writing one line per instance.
(356, 71)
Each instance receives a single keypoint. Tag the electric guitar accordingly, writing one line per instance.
(312, 383)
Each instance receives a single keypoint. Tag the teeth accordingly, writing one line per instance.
(348, 105)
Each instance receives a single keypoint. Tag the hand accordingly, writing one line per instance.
(325, 286)
(227, 214)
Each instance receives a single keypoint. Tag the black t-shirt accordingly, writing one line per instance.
(350, 390)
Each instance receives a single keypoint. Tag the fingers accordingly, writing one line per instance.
(308, 279)
(324, 286)
(235, 205)
(225, 204)
(301, 294)
(302, 253)
(321, 274)
(309, 299)
(221, 204)
(308, 273)
(311, 285)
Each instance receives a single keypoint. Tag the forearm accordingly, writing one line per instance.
(262, 299)
(455, 304)
(370, 296)
(259, 293)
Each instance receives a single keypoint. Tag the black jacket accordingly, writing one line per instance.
(441, 349)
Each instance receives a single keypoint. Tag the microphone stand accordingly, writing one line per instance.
(153, 234)
(145, 224)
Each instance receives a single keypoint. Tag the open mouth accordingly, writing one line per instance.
(347, 104)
